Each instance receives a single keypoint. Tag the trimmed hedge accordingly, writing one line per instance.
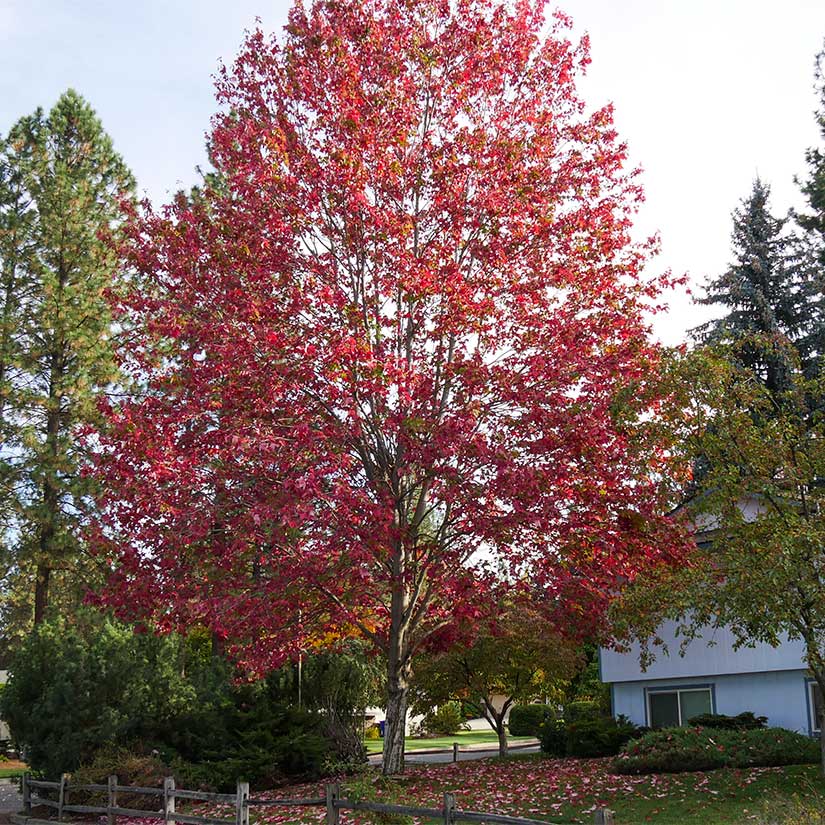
(743, 721)
(587, 738)
(599, 737)
(673, 750)
(526, 720)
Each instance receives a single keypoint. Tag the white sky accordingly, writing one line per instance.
(708, 93)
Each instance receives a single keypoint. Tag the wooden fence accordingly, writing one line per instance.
(241, 803)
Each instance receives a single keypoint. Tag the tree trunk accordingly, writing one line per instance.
(502, 737)
(51, 497)
(395, 726)
(819, 675)
(41, 593)
(495, 719)
(398, 673)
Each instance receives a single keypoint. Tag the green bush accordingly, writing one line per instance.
(672, 750)
(526, 720)
(444, 720)
(718, 721)
(372, 732)
(79, 689)
(584, 710)
(604, 736)
(553, 737)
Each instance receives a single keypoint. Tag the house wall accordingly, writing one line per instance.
(779, 695)
(711, 652)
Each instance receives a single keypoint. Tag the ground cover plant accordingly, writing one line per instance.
(568, 790)
(694, 749)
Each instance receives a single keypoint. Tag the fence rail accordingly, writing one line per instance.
(334, 803)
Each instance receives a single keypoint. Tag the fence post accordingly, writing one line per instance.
(61, 796)
(604, 816)
(242, 804)
(169, 800)
(455, 751)
(27, 794)
(333, 812)
(449, 809)
(111, 802)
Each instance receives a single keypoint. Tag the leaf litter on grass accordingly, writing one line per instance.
(560, 790)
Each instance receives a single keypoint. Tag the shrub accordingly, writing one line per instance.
(672, 750)
(444, 720)
(131, 768)
(553, 737)
(80, 690)
(744, 721)
(526, 720)
(604, 736)
(372, 732)
(583, 710)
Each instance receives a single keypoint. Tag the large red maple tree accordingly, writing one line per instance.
(394, 347)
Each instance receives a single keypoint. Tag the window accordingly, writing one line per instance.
(815, 705)
(671, 708)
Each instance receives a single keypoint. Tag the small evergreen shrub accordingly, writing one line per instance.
(553, 737)
(718, 721)
(372, 732)
(526, 720)
(583, 710)
(444, 720)
(672, 750)
(604, 736)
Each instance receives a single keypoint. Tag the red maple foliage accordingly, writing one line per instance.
(396, 343)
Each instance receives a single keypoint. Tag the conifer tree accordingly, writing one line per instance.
(765, 293)
(60, 185)
(812, 222)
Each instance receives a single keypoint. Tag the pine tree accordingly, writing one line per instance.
(764, 291)
(60, 185)
(812, 222)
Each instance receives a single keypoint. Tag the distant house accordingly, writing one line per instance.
(712, 677)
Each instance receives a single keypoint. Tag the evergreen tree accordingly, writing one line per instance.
(60, 185)
(765, 292)
(812, 222)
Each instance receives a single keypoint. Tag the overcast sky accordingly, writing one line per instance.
(708, 93)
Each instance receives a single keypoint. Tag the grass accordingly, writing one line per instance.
(6, 773)
(464, 738)
(568, 790)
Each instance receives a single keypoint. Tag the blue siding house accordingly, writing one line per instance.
(712, 677)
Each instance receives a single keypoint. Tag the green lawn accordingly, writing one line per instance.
(464, 738)
(5, 773)
(569, 790)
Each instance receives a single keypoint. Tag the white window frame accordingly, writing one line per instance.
(677, 690)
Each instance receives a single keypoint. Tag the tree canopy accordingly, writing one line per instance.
(400, 336)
